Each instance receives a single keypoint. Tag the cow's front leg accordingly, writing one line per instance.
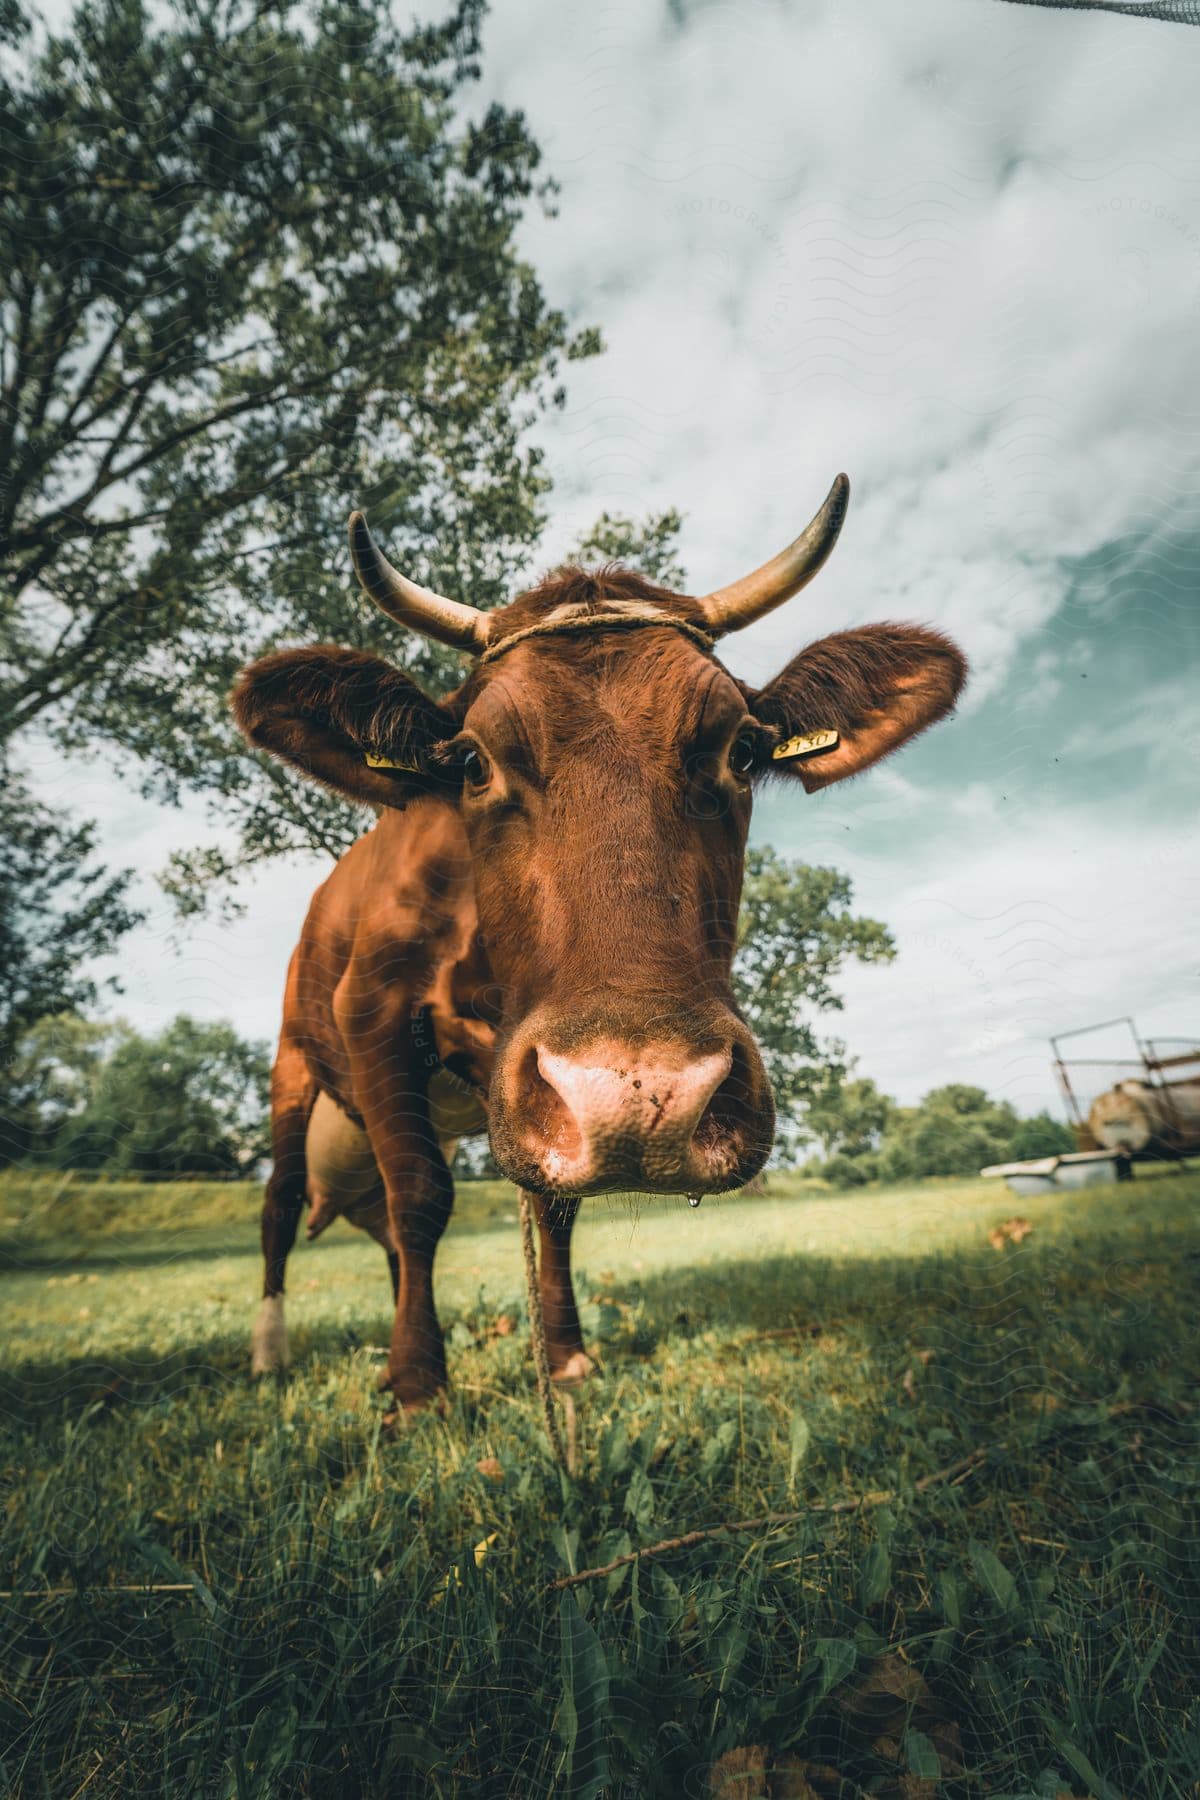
(420, 1195)
(389, 1092)
(569, 1361)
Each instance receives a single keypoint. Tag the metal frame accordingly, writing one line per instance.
(1151, 1064)
(1061, 1065)
(1155, 1066)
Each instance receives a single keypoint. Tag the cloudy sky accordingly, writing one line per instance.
(954, 249)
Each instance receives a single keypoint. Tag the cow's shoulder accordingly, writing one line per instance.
(398, 906)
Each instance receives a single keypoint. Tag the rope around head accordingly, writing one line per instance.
(610, 621)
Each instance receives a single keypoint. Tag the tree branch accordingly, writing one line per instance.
(87, 385)
(16, 381)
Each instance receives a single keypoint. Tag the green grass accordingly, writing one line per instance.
(1027, 1631)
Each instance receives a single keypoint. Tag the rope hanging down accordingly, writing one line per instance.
(565, 1457)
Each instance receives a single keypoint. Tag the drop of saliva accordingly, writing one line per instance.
(694, 1199)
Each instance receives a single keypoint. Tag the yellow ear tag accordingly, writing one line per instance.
(808, 744)
(385, 762)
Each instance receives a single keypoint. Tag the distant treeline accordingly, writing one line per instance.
(956, 1130)
(191, 1100)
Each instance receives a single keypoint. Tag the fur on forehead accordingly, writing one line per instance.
(627, 702)
(571, 591)
(577, 686)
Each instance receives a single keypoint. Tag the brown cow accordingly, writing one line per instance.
(537, 934)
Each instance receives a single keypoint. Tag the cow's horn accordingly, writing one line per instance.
(419, 608)
(729, 608)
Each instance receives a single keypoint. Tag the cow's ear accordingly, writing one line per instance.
(344, 718)
(866, 692)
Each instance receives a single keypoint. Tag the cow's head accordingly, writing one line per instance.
(604, 763)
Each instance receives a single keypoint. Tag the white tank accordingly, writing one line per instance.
(1157, 1121)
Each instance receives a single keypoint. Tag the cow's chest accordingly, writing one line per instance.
(455, 1109)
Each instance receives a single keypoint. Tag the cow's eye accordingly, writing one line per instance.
(743, 754)
(473, 766)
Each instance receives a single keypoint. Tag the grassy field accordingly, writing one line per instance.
(242, 1591)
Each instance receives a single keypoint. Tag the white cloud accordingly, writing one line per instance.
(1161, 724)
(867, 238)
(1011, 927)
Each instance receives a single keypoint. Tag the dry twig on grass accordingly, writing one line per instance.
(769, 1521)
(86, 1588)
(816, 1328)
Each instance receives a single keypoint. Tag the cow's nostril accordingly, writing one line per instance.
(547, 1108)
(725, 1112)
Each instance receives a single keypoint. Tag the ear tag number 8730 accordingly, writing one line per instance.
(809, 743)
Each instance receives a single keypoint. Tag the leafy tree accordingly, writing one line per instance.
(848, 1118)
(192, 1100)
(843, 1171)
(256, 265)
(795, 932)
(958, 1130)
(59, 909)
(651, 546)
(47, 1079)
(955, 1130)
(1041, 1135)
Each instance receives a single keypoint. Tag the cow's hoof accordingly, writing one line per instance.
(577, 1369)
(269, 1339)
(397, 1418)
